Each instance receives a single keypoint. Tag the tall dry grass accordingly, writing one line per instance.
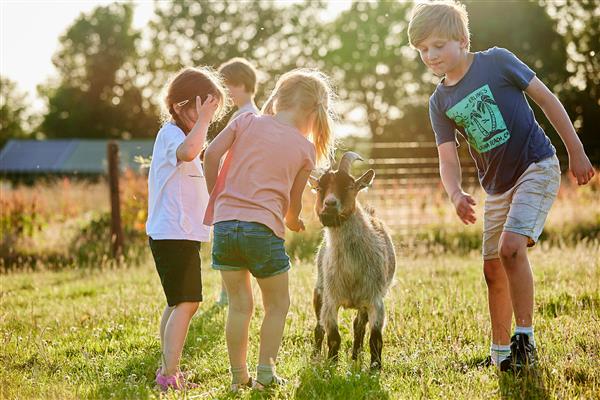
(60, 218)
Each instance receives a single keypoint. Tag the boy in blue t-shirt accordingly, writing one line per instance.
(481, 95)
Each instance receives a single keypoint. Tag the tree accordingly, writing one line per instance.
(274, 38)
(368, 52)
(96, 95)
(577, 21)
(15, 120)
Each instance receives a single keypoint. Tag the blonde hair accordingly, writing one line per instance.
(238, 71)
(310, 90)
(446, 18)
(188, 83)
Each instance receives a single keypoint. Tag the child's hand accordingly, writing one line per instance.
(295, 224)
(581, 168)
(463, 203)
(206, 110)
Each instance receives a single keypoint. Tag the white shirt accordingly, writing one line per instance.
(177, 194)
(248, 107)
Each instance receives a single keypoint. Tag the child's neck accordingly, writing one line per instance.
(454, 76)
(293, 118)
(243, 100)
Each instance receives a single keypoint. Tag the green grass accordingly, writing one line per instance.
(93, 334)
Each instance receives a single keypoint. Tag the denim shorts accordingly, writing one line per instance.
(240, 245)
(523, 208)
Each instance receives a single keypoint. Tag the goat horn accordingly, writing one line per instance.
(347, 159)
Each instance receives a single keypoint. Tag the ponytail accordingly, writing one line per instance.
(309, 90)
(322, 135)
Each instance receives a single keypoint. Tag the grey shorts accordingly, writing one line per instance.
(523, 208)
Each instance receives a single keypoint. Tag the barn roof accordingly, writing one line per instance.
(69, 156)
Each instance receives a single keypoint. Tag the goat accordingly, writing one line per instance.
(356, 261)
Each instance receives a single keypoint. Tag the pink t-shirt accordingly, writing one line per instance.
(255, 180)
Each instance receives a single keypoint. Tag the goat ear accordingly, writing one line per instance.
(313, 183)
(365, 180)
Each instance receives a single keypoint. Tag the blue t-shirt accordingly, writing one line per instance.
(488, 107)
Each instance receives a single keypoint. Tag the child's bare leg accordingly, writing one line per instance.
(499, 301)
(239, 314)
(223, 298)
(175, 332)
(513, 254)
(276, 300)
(163, 324)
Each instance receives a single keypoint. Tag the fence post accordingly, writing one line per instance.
(116, 228)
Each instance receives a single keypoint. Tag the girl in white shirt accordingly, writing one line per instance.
(177, 199)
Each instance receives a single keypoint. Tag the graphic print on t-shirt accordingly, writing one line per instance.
(480, 117)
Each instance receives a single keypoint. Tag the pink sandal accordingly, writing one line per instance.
(175, 382)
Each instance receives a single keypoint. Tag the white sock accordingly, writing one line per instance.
(499, 353)
(265, 374)
(528, 330)
(237, 373)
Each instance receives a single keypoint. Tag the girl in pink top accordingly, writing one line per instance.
(257, 194)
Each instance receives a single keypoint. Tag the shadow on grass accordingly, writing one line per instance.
(326, 381)
(528, 384)
(480, 361)
(135, 378)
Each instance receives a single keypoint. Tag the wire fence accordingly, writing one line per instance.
(407, 192)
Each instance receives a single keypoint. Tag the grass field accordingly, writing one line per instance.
(93, 334)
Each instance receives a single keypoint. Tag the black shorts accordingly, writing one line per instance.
(178, 265)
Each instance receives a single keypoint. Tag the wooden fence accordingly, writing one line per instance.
(407, 191)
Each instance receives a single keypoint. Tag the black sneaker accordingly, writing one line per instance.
(522, 354)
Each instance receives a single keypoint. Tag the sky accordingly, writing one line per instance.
(30, 31)
(29, 36)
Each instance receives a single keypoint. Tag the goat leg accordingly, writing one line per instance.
(360, 323)
(376, 346)
(333, 342)
(329, 314)
(319, 331)
(376, 320)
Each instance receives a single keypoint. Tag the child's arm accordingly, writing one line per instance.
(579, 164)
(194, 141)
(451, 179)
(292, 220)
(213, 154)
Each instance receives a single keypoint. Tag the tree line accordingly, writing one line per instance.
(110, 75)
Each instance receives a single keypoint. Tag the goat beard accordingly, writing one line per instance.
(331, 220)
